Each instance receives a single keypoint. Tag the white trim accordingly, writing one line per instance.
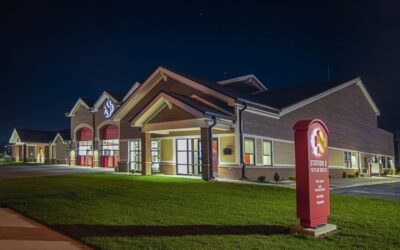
(248, 79)
(314, 98)
(262, 113)
(14, 137)
(101, 99)
(76, 107)
(131, 91)
(55, 138)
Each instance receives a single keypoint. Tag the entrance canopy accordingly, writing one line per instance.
(173, 112)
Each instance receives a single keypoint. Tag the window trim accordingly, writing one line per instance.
(271, 153)
(254, 151)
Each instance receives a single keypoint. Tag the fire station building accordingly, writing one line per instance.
(176, 124)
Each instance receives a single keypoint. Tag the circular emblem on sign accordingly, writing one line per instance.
(108, 108)
(319, 142)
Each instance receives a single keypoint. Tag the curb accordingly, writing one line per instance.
(367, 184)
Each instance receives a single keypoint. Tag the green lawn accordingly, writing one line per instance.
(4, 163)
(135, 212)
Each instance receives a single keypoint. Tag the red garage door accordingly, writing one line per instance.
(85, 147)
(109, 146)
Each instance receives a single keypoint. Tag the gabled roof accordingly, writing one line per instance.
(291, 98)
(32, 136)
(115, 97)
(64, 135)
(162, 74)
(135, 86)
(189, 104)
(247, 83)
(87, 102)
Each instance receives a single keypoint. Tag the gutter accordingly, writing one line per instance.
(241, 142)
(210, 143)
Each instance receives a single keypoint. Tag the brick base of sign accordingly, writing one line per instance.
(322, 231)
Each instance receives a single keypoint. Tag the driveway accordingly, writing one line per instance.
(12, 172)
(388, 191)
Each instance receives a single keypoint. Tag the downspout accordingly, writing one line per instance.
(242, 164)
(93, 140)
(210, 144)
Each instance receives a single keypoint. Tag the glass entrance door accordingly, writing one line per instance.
(188, 156)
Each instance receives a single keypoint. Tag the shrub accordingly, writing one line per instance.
(261, 178)
(276, 176)
(292, 178)
(351, 176)
(357, 174)
(344, 175)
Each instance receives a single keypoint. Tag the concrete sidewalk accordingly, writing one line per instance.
(334, 183)
(19, 232)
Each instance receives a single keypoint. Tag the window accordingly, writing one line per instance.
(389, 162)
(31, 151)
(267, 153)
(188, 156)
(384, 162)
(249, 151)
(155, 155)
(350, 159)
(85, 148)
(109, 147)
(135, 156)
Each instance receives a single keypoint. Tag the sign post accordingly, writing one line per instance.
(312, 178)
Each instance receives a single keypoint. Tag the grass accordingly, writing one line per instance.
(137, 212)
(7, 163)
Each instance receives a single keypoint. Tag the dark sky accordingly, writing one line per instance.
(52, 52)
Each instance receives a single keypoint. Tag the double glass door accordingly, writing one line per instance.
(188, 156)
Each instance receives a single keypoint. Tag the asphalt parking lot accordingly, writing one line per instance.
(12, 172)
(388, 191)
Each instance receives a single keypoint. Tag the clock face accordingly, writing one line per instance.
(108, 108)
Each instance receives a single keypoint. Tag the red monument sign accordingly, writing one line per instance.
(312, 173)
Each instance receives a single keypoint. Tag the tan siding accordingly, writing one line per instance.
(283, 153)
(167, 150)
(336, 157)
(227, 142)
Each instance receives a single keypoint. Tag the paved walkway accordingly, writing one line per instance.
(12, 172)
(388, 191)
(20, 233)
(334, 183)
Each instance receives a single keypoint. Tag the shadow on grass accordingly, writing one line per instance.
(78, 231)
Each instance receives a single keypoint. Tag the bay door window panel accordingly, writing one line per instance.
(85, 153)
(188, 156)
(84, 147)
(135, 156)
(249, 152)
(267, 153)
(109, 146)
(109, 153)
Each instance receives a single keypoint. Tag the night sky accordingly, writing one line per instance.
(53, 52)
